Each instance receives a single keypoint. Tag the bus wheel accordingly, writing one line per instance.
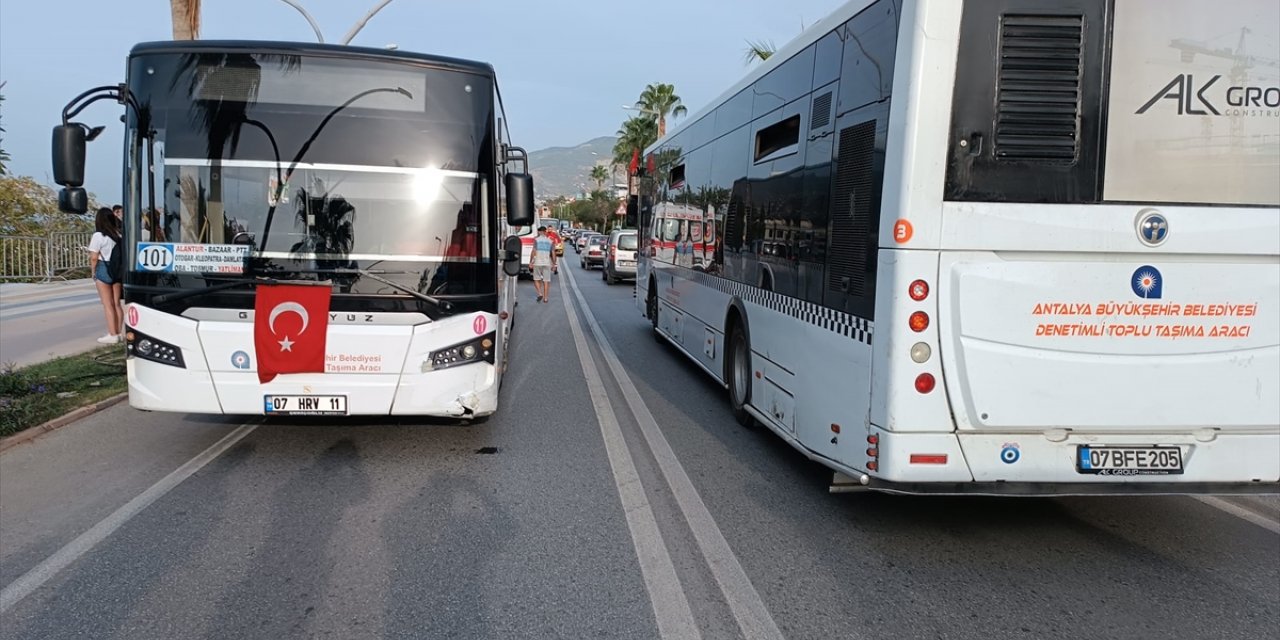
(740, 376)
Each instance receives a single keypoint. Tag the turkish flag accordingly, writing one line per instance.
(635, 162)
(290, 323)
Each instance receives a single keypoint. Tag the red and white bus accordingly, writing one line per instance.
(999, 246)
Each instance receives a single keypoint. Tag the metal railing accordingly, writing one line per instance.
(53, 257)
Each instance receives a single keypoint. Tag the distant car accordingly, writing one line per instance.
(559, 247)
(581, 242)
(593, 252)
(620, 256)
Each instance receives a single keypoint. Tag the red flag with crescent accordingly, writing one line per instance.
(635, 162)
(290, 324)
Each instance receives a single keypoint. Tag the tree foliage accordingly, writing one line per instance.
(599, 174)
(759, 50)
(28, 208)
(596, 211)
(659, 101)
(636, 134)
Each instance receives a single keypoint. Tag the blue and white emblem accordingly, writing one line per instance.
(240, 360)
(1153, 228)
(1010, 453)
(1147, 283)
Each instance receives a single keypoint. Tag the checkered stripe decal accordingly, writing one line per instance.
(847, 325)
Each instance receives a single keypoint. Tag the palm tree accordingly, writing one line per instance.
(186, 19)
(660, 100)
(599, 174)
(635, 135)
(760, 50)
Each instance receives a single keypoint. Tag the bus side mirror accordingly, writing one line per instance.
(68, 155)
(519, 199)
(512, 251)
(73, 200)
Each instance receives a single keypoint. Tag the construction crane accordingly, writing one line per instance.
(1242, 63)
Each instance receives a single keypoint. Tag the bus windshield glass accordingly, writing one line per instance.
(307, 164)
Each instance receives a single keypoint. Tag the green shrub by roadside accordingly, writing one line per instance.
(33, 395)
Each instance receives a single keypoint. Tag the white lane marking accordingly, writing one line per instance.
(748, 608)
(62, 558)
(1241, 512)
(666, 594)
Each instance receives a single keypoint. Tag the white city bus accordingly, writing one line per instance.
(1020, 247)
(379, 175)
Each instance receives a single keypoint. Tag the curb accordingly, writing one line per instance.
(32, 433)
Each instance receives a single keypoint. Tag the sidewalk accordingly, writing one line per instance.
(42, 321)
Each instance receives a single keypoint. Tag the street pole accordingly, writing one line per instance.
(355, 28)
(360, 25)
(312, 21)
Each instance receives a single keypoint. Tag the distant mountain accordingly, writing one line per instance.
(558, 171)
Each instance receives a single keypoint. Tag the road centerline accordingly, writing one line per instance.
(28, 582)
(667, 596)
(749, 610)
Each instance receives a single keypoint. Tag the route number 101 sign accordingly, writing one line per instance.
(169, 257)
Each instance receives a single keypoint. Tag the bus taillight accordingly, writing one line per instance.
(919, 290)
(928, 458)
(919, 321)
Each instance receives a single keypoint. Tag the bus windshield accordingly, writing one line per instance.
(318, 164)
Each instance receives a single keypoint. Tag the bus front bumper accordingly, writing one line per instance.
(459, 392)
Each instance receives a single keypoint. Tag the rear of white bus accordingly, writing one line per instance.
(1080, 250)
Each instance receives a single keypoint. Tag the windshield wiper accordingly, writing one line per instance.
(444, 305)
(191, 293)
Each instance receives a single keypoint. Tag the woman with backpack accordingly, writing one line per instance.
(106, 271)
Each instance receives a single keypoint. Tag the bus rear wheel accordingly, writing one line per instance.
(739, 371)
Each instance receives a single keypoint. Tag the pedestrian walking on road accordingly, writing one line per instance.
(102, 247)
(543, 259)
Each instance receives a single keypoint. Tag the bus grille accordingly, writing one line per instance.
(851, 211)
(1038, 91)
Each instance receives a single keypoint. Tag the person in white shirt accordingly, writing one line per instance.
(102, 245)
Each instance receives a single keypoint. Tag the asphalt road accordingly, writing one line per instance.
(596, 504)
(48, 320)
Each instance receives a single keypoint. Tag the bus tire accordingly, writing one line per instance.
(739, 375)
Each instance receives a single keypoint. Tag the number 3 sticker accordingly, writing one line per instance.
(155, 257)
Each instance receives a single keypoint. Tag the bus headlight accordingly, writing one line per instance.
(478, 350)
(141, 345)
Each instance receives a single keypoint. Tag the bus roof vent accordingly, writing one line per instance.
(1038, 89)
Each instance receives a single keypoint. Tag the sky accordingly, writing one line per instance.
(565, 67)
